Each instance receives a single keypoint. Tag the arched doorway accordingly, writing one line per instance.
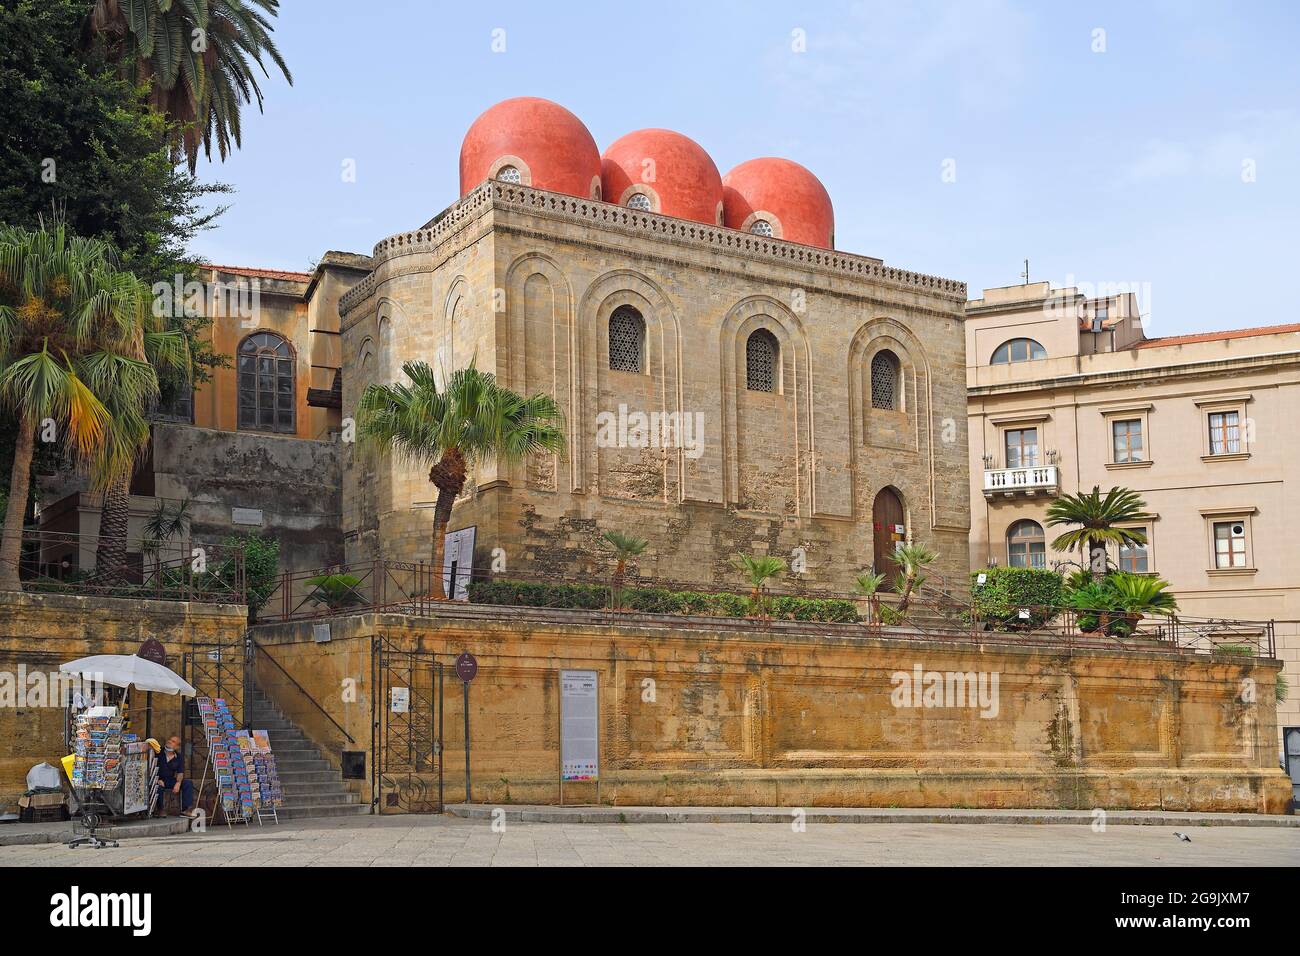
(887, 531)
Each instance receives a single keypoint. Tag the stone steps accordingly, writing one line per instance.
(312, 786)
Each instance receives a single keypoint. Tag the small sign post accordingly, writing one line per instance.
(466, 669)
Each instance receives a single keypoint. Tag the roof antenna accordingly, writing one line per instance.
(1025, 275)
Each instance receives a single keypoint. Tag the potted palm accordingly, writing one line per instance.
(758, 571)
(625, 547)
(867, 585)
(912, 559)
(1098, 519)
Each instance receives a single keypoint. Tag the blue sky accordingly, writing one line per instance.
(1113, 169)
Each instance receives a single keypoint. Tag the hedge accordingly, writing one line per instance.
(1006, 591)
(658, 601)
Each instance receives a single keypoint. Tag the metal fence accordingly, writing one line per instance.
(171, 570)
(934, 611)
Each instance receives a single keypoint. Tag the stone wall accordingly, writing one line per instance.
(38, 632)
(525, 282)
(295, 484)
(710, 714)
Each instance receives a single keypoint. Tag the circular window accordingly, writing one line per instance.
(761, 227)
(509, 174)
(639, 201)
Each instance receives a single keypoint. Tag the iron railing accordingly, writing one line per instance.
(935, 611)
(56, 562)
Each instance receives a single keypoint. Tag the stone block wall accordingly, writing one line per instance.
(706, 713)
(38, 632)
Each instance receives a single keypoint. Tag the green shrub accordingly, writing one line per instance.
(657, 601)
(1006, 591)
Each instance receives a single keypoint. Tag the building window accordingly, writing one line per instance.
(266, 386)
(761, 227)
(761, 352)
(626, 340)
(1225, 433)
(884, 380)
(1126, 440)
(1026, 546)
(1133, 558)
(1022, 447)
(176, 404)
(639, 201)
(509, 174)
(1230, 544)
(1018, 350)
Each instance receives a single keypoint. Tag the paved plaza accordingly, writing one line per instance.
(448, 841)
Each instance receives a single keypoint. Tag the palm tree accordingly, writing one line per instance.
(625, 546)
(758, 571)
(868, 584)
(912, 560)
(1097, 518)
(471, 419)
(128, 387)
(67, 315)
(198, 58)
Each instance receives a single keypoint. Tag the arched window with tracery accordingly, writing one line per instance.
(886, 377)
(266, 383)
(762, 354)
(626, 340)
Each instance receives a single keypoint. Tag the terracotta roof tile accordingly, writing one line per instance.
(1218, 336)
(262, 273)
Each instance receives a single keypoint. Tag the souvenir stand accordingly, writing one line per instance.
(113, 772)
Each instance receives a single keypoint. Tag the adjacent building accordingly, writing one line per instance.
(1067, 392)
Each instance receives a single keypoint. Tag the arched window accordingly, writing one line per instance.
(639, 201)
(761, 355)
(626, 340)
(1026, 547)
(266, 388)
(885, 377)
(510, 174)
(1018, 350)
(761, 227)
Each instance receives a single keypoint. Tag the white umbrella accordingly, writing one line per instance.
(127, 670)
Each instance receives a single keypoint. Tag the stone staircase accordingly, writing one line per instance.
(312, 788)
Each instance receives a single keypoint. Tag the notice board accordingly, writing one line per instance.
(579, 726)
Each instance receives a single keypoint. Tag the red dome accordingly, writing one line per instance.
(789, 197)
(549, 146)
(673, 170)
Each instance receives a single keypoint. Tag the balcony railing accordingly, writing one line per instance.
(1035, 480)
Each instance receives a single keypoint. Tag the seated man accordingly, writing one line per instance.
(171, 775)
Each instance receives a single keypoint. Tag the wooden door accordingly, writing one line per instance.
(887, 530)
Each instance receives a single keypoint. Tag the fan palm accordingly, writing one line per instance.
(69, 321)
(911, 559)
(625, 547)
(470, 420)
(758, 571)
(199, 57)
(1098, 518)
(868, 585)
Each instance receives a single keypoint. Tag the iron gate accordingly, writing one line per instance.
(406, 774)
(215, 670)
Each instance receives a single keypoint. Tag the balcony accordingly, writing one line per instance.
(1020, 482)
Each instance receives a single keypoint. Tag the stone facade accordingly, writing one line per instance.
(713, 714)
(525, 282)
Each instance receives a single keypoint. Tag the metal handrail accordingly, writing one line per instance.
(302, 690)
